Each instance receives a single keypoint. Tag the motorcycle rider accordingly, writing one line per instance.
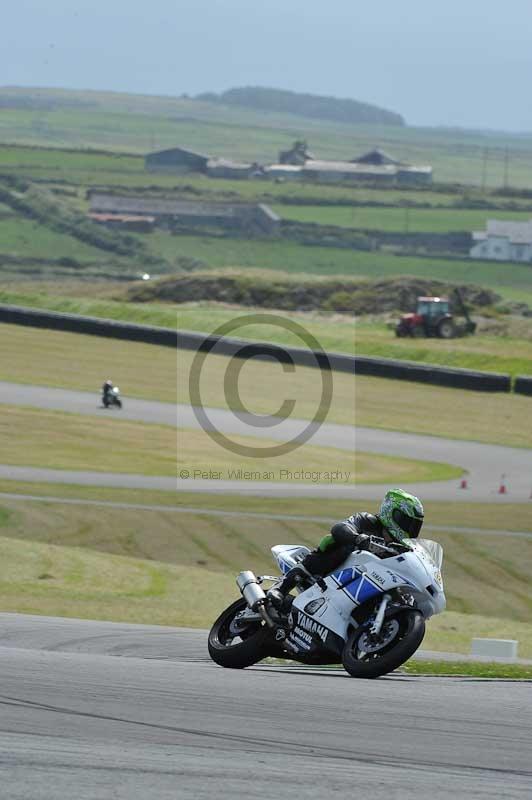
(399, 519)
(107, 388)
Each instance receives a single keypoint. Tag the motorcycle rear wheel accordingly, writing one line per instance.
(252, 641)
(400, 637)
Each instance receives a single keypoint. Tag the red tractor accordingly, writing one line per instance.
(433, 317)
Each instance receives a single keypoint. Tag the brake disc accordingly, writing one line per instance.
(372, 644)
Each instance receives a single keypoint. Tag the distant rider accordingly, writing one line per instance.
(399, 519)
(107, 388)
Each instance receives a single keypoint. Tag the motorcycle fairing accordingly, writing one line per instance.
(359, 587)
(310, 636)
(289, 555)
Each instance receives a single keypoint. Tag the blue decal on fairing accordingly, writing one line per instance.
(345, 576)
(361, 590)
(284, 566)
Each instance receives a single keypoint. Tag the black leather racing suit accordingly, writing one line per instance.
(351, 534)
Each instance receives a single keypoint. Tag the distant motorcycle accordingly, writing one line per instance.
(112, 398)
(369, 614)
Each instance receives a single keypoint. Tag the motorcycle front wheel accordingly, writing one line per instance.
(367, 656)
(233, 642)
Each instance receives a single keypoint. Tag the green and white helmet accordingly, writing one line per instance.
(401, 514)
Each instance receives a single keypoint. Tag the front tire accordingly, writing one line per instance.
(446, 329)
(237, 646)
(400, 637)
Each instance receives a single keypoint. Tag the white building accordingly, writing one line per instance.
(503, 241)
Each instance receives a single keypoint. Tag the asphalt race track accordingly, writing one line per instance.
(95, 711)
(484, 463)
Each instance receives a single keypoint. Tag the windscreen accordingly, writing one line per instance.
(433, 549)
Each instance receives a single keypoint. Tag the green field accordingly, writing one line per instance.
(141, 124)
(512, 281)
(80, 168)
(402, 220)
(23, 237)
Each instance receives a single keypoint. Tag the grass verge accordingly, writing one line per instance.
(470, 669)
(64, 581)
(116, 445)
(471, 515)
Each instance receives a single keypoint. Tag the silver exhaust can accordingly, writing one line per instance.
(252, 592)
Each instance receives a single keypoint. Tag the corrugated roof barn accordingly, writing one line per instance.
(177, 160)
(171, 210)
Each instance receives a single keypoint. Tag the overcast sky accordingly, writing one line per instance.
(438, 62)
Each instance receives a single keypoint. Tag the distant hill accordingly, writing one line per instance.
(306, 105)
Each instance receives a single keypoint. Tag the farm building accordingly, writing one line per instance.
(296, 155)
(177, 161)
(409, 175)
(503, 241)
(406, 174)
(173, 212)
(234, 170)
(140, 223)
(376, 157)
(344, 171)
(284, 172)
(375, 166)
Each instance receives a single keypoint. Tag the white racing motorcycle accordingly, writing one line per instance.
(369, 614)
(112, 398)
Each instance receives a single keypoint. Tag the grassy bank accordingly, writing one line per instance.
(490, 518)
(40, 438)
(507, 348)
(222, 545)
(513, 282)
(148, 565)
(371, 402)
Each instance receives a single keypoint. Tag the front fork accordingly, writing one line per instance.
(379, 617)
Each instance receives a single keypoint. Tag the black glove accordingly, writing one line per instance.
(362, 541)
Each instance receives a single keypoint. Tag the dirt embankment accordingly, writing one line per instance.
(328, 295)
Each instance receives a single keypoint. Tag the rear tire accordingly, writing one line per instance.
(409, 633)
(253, 641)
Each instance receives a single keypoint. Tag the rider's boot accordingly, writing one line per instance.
(277, 594)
